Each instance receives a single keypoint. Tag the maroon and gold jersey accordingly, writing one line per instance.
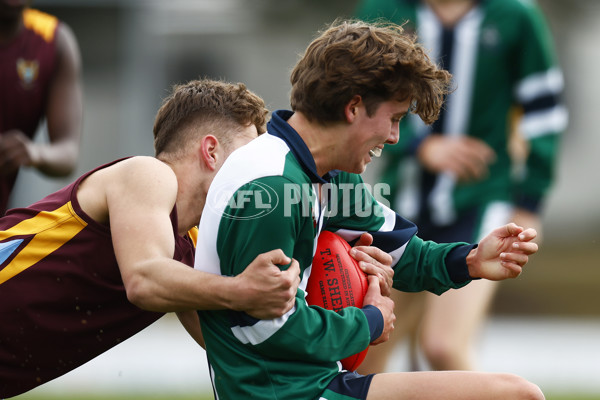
(62, 299)
(27, 65)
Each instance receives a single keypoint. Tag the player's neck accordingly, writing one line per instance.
(10, 27)
(192, 188)
(451, 11)
(188, 213)
(318, 139)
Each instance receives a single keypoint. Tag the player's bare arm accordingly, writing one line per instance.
(191, 323)
(136, 196)
(503, 253)
(140, 194)
(64, 114)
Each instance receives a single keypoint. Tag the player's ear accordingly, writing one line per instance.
(351, 108)
(208, 151)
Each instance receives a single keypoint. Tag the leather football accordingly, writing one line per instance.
(336, 281)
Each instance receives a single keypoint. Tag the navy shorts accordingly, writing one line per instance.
(348, 385)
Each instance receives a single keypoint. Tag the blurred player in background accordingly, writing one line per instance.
(350, 89)
(455, 179)
(94, 263)
(40, 78)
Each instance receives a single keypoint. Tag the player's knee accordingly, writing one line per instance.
(442, 354)
(522, 389)
(532, 391)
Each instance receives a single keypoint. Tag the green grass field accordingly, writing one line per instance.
(86, 396)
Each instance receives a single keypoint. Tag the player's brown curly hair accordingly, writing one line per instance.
(201, 107)
(377, 61)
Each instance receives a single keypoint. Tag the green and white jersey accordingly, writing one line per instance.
(264, 198)
(502, 60)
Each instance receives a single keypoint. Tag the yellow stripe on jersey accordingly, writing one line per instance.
(50, 230)
(193, 234)
(41, 23)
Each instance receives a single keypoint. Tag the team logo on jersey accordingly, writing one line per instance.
(28, 72)
(490, 37)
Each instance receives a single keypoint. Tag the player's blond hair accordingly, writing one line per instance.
(377, 61)
(202, 107)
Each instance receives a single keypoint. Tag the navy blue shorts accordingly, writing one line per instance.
(348, 385)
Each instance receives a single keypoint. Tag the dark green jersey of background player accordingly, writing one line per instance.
(62, 299)
(501, 56)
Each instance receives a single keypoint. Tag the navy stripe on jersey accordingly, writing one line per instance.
(445, 59)
(388, 241)
(455, 263)
(541, 103)
(375, 320)
(241, 319)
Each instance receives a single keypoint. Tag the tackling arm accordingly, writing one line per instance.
(140, 196)
(304, 333)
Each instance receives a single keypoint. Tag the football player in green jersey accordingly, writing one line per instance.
(456, 179)
(351, 88)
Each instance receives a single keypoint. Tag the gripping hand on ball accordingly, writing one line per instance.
(374, 261)
(384, 304)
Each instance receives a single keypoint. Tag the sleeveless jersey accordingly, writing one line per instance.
(62, 299)
(27, 65)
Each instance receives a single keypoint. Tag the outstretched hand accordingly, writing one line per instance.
(267, 292)
(503, 253)
(374, 261)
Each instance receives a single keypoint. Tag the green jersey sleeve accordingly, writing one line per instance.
(418, 265)
(538, 92)
(261, 216)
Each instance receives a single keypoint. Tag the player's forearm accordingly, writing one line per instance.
(191, 323)
(57, 159)
(179, 288)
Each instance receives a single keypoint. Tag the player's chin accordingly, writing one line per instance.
(357, 166)
(358, 169)
(362, 165)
